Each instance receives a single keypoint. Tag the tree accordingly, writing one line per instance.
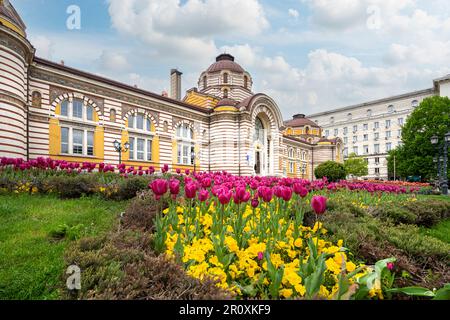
(415, 156)
(334, 171)
(356, 166)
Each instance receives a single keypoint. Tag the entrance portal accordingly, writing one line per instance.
(258, 163)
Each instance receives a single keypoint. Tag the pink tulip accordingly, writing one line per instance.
(190, 190)
(159, 187)
(225, 196)
(319, 204)
(390, 266)
(286, 193)
(174, 187)
(255, 203)
(203, 195)
(260, 256)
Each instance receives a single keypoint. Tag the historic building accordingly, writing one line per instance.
(372, 129)
(50, 109)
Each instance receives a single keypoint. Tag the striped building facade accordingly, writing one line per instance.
(51, 110)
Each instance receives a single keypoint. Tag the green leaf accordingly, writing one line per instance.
(443, 293)
(414, 291)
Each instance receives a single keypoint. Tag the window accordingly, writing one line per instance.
(366, 160)
(366, 137)
(399, 133)
(349, 116)
(388, 147)
(327, 133)
(65, 108)
(376, 136)
(376, 148)
(90, 143)
(332, 120)
(89, 113)
(377, 171)
(291, 153)
(139, 121)
(140, 148)
(365, 126)
(376, 125)
(400, 121)
(388, 124)
(225, 93)
(225, 78)
(414, 104)
(355, 139)
(355, 150)
(390, 109)
(345, 152)
(112, 115)
(377, 160)
(291, 166)
(369, 112)
(355, 128)
(77, 109)
(245, 82)
(388, 134)
(345, 140)
(36, 99)
(205, 82)
(366, 149)
(336, 132)
(77, 142)
(185, 145)
(64, 140)
(345, 130)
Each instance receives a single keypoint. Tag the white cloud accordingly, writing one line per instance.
(186, 30)
(113, 61)
(293, 13)
(45, 47)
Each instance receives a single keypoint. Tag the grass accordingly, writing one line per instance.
(440, 231)
(32, 264)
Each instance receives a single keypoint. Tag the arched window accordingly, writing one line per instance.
(349, 116)
(205, 82)
(77, 109)
(369, 112)
(245, 82)
(225, 93)
(391, 108)
(291, 153)
(112, 115)
(139, 121)
(414, 104)
(166, 126)
(225, 78)
(185, 145)
(332, 120)
(307, 129)
(36, 99)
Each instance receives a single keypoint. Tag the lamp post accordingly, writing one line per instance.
(120, 149)
(442, 175)
(303, 170)
(193, 157)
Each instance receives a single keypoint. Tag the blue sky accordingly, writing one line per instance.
(309, 55)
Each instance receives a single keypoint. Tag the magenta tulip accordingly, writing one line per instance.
(190, 190)
(203, 195)
(319, 204)
(159, 187)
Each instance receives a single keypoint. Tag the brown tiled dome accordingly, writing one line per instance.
(7, 11)
(299, 120)
(225, 62)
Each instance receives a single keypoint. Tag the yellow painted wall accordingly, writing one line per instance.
(11, 26)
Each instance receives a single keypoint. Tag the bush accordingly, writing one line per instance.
(395, 214)
(334, 171)
(69, 187)
(428, 213)
(123, 266)
(128, 188)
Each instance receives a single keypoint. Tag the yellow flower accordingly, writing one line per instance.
(231, 243)
(298, 243)
(286, 293)
(301, 290)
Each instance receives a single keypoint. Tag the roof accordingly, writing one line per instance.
(7, 11)
(370, 103)
(117, 84)
(225, 62)
(300, 120)
(226, 102)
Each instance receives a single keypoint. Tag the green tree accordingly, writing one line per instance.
(334, 171)
(415, 156)
(356, 166)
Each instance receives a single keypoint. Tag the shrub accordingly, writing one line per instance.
(395, 214)
(332, 170)
(122, 266)
(73, 186)
(128, 188)
(429, 212)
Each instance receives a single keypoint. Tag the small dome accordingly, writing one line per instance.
(226, 103)
(10, 15)
(225, 61)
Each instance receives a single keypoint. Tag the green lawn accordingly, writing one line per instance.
(31, 262)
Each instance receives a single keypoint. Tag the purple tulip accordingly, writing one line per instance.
(319, 204)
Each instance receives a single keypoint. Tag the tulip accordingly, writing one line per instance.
(190, 190)
(390, 266)
(203, 195)
(255, 203)
(260, 256)
(159, 187)
(174, 187)
(319, 204)
(165, 168)
(225, 196)
(286, 193)
(178, 170)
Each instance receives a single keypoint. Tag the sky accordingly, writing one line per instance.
(308, 55)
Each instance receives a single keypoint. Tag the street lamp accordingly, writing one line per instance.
(303, 170)
(120, 149)
(193, 156)
(442, 156)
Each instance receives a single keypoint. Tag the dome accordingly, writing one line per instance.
(299, 120)
(226, 103)
(10, 18)
(225, 62)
